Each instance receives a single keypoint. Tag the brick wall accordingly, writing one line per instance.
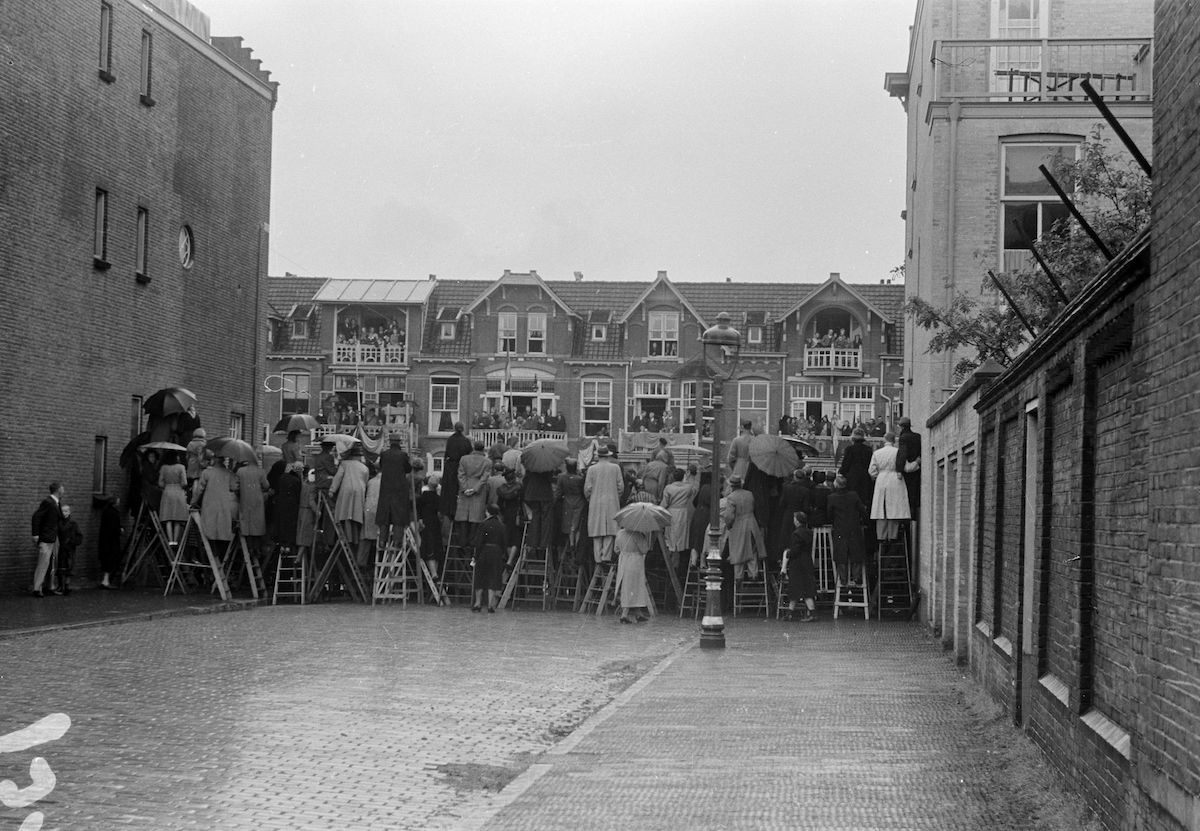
(80, 342)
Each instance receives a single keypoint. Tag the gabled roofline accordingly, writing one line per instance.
(532, 278)
(835, 279)
(661, 278)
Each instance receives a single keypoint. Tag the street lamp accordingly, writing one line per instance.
(721, 343)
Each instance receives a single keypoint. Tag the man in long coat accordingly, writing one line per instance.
(745, 540)
(473, 493)
(739, 450)
(457, 446)
(395, 490)
(602, 488)
(908, 462)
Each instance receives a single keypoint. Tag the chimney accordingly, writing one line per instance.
(728, 279)
(835, 275)
(507, 272)
(432, 277)
(578, 276)
(662, 275)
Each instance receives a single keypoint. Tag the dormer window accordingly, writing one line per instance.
(446, 332)
(300, 328)
(599, 332)
(754, 334)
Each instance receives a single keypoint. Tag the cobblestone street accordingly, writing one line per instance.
(341, 716)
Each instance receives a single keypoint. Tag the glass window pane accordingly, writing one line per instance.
(1021, 174)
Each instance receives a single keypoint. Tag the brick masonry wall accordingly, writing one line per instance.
(81, 342)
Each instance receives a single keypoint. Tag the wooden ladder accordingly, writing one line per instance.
(894, 586)
(291, 577)
(596, 598)
(181, 567)
(152, 548)
(822, 557)
(752, 594)
(456, 581)
(234, 567)
(341, 557)
(569, 587)
(852, 596)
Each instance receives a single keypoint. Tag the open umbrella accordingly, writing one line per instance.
(643, 517)
(773, 456)
(341, 441)
(236, 449)
(300, 421)
(162, 445)
(169, 401)
(802, 447)
(544, 455)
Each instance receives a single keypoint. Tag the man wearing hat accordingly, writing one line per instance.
(395, 490)
(195, 456)
(324, 466)
(602, 488)
(908, 462)
(739, 450)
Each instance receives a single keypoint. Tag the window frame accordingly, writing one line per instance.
(100, 230)
(750, 405)
(106, 37)
(293, 394)
(687, 406)
(146, 70)
(142, 251)
(447, 330)
(754, 334)
(506, 335)
(660, 323)
(100, 465)
(299, 328)
(237, 425)
(529, 333)
(444, 383)
(1015, 259)
(595, 401)
(599, 332)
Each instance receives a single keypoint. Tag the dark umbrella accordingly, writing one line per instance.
(300, 421)
(773, 456)
(169, 401)
(544, 455)
(236, 449)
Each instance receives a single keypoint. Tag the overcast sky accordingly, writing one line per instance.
(749, 139)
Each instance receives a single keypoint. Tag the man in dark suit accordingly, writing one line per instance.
(47, 520)
(395, 490)
(908, 462)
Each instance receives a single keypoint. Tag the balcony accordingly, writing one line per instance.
(1046, 70)
(368, 353)
(833, 360)
(490, 437)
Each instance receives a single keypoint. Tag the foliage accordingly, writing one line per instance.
(1113, 194)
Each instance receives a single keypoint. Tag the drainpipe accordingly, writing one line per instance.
(955, 114)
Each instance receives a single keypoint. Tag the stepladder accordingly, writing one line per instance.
(238, 562)
(530, 579)
(400, 573)
(854, 593)
(456, 581)
(291, 576)
(894, 592)
(194, 555)
(599, 590)
(569, 584)
(148, 550)
(340, 557)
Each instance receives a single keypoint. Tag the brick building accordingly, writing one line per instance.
(135, 161)
(992, 90)
(596, 354)
(1063, 505)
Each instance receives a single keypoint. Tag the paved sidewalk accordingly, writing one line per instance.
(839, 725)
(23, 614)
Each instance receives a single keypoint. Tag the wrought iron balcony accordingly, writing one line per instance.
(1048, 69)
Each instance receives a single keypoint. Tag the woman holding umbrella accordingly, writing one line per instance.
(636, 523)
(173, 507)
(349, 487)
(214, 496)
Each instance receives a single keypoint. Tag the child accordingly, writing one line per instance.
(798, 566)
(69, 538)
(430, 524)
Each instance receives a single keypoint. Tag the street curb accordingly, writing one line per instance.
(480, 817)
(226, 606)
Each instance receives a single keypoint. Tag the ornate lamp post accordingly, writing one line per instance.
(721, 343)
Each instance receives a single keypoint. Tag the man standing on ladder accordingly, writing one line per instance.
(395, 490)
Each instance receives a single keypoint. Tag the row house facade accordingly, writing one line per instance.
(587, 356)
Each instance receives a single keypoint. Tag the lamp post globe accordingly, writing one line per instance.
(721, 343)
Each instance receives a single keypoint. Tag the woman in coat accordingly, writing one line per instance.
(677, 499)
(745, 540)
(251, 488)
(370, 530)
(349, 487)
(490, 543)
(890, 504)
(856, 466)
(285, 517)
(631, 574)
(306, 517)
(701, 517)
(173, 508)
(214, 494)
(846, 516)
(568, 495)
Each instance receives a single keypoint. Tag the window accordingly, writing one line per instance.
(443, 403)
(754, 334)
(664, 334)
(294, 398)
(752, 402)
(300, 328)
(187, 247)
(447, 331)
(858, 392)
(537, 333)
(687, 406)
(135, 416)
(1029, 207)
(143, 241)
(237, 425)
(506, 323)
(147, 58)
(106, 30)
(391, 389)
(811, 392)
(856, 413)
(100, 230)
(100, 464)
(596, 402)
(599, 331)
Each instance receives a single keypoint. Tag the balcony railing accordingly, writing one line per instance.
(376, 433)
(367, 353)
(524, 437)
(832, 359)
(1120, 69)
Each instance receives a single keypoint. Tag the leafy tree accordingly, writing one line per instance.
(1113, 194)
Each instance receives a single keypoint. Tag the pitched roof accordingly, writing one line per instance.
(836, 280)
(661, 279)
(531, 278)
(290, 297)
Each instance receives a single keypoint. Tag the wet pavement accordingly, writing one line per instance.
(340, 716)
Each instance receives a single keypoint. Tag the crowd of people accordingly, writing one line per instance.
(486, 502)
(838, 339)
(387, 333)
(518, 418)
(811, 426)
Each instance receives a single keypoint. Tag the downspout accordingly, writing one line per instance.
(955, 113)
